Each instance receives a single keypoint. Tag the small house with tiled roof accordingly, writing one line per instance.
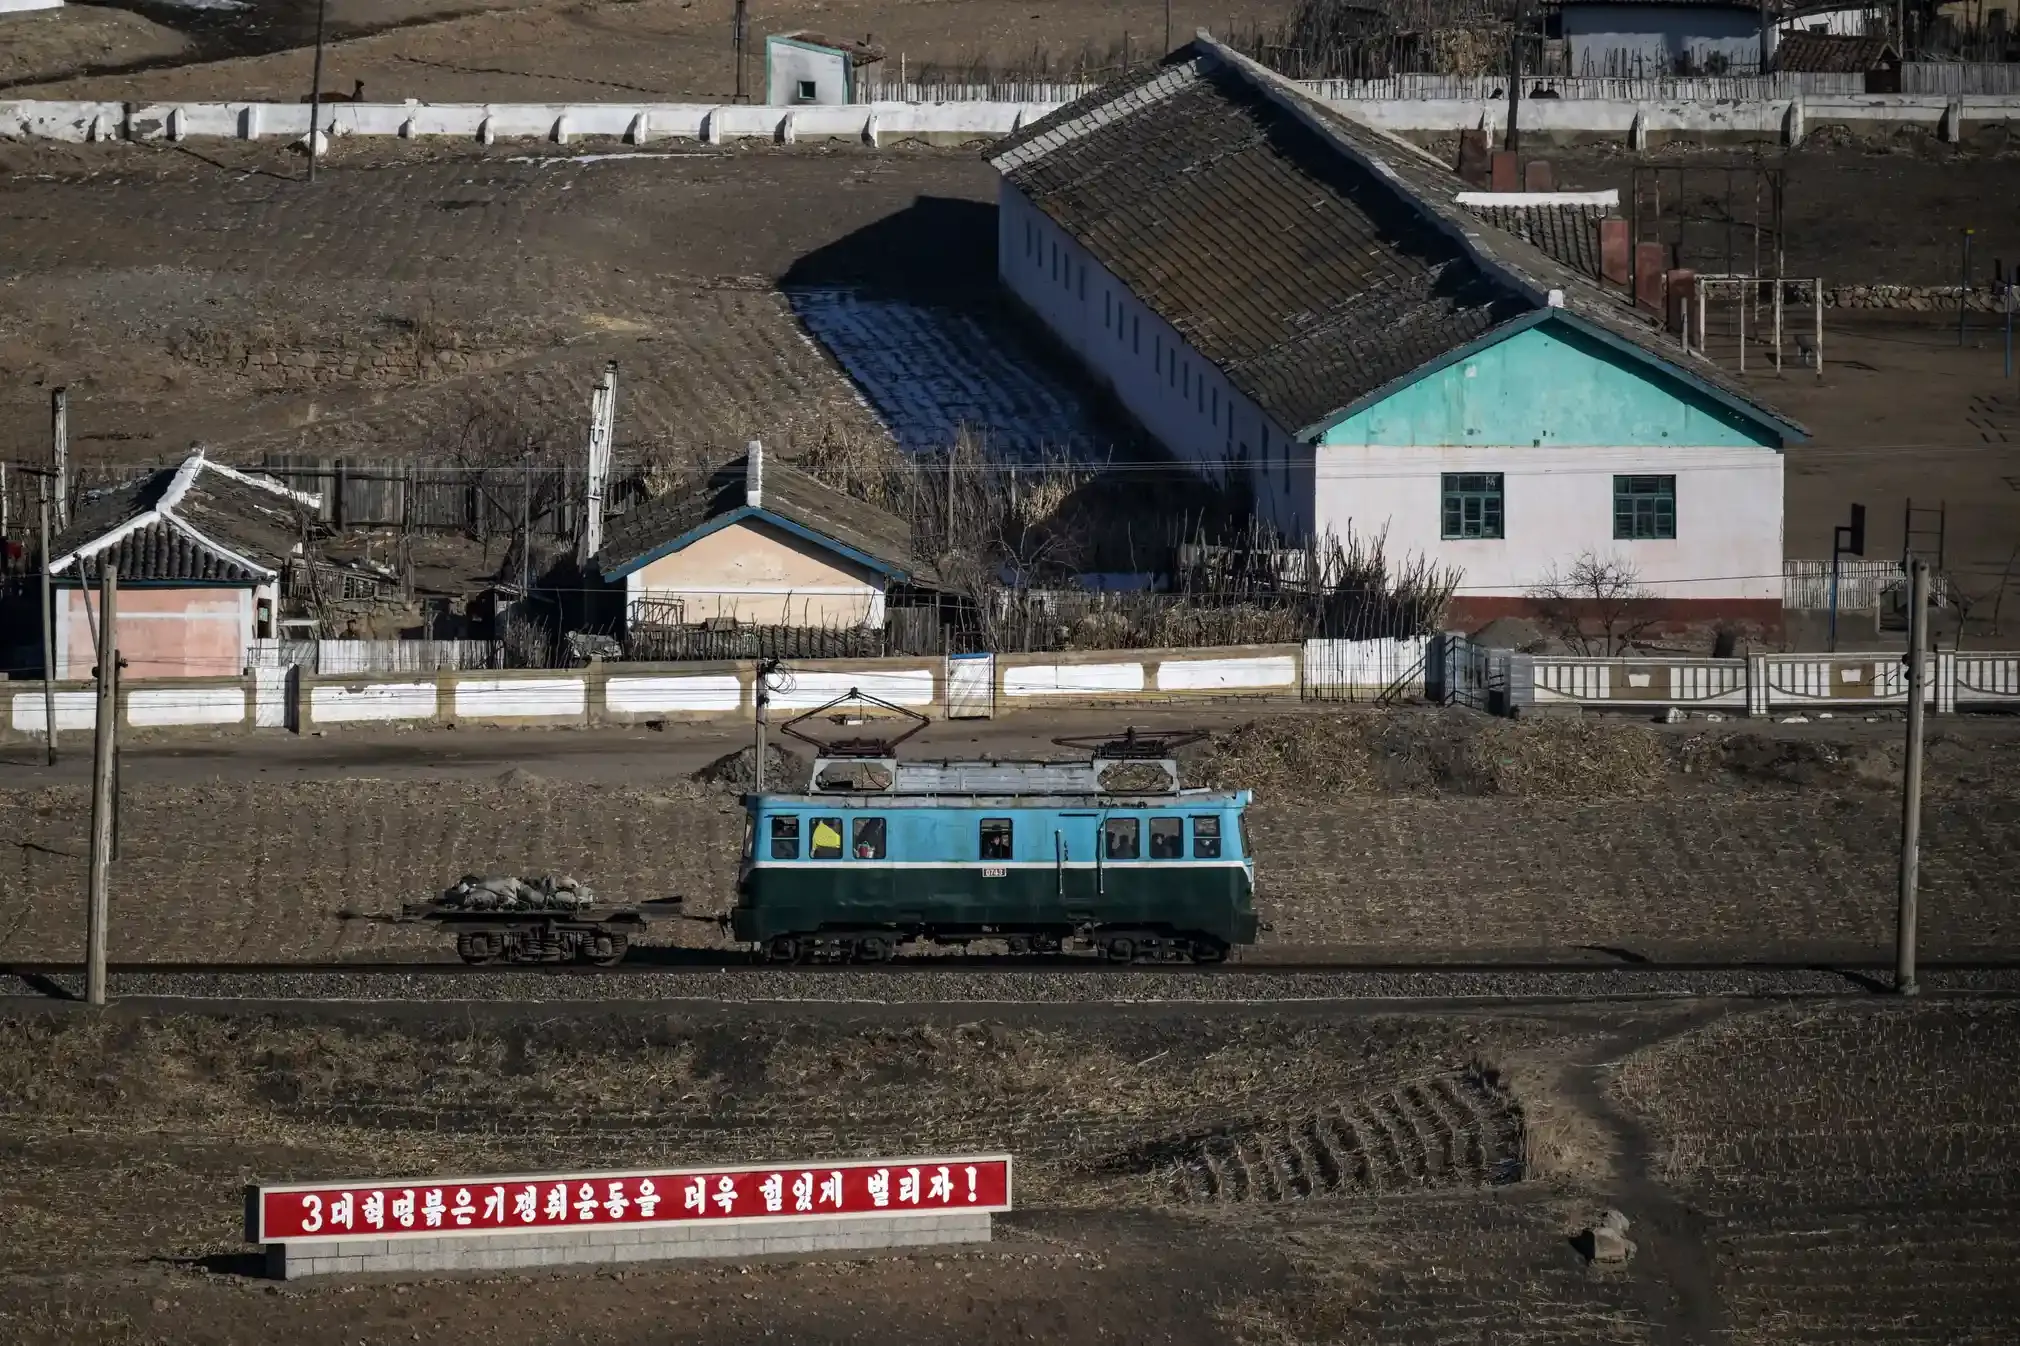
(199, 549)
(1294, 300)
(761, 543)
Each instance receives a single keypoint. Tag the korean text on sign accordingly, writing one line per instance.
(558, 1201)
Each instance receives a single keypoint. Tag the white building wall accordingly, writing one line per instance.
(790, 64)
(1172, 390)
(1558, 503)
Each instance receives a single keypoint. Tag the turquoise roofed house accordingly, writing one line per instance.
(1281, 294)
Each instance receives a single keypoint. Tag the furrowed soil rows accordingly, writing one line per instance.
(1447, 1130)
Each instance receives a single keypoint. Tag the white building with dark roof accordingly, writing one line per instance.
(1286, 297)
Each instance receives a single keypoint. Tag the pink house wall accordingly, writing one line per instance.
(163, 633)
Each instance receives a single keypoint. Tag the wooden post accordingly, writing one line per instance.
(1911, 781)
(48, 630)
(101, 789)
(316, 89)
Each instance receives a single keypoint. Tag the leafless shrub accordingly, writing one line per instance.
(1597, 605)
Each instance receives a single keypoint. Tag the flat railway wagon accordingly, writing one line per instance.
(1110, 854)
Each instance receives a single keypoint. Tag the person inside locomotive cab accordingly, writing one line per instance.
(827, 839)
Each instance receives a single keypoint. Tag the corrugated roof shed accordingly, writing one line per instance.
(649, 530)
(1831, 54)
(1315, 260)
(1566, 234)
(199, 522)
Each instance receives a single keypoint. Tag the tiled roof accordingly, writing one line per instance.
(1303, 281)
(647, 530)
(1828, 53)
(1312, 258)
(1566, 234)
(200, 521)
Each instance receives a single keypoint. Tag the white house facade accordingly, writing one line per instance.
(1296, 302)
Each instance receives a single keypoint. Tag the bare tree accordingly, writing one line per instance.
(1597, 605)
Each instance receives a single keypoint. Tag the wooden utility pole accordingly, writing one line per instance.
(951, 449)
(1514, 140)
(101, 787)
(48, 630)
(1911, 779)
(740, 23)
(59, 452)
(316, 91)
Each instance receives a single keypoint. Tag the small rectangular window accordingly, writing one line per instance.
(996, 838)
(1167, 838)
(1644, 508)
(785, 838)
(1205, 837)
(1470, 505)
(807, 92)
(827, 839)
(1120, 838)
(866, 838)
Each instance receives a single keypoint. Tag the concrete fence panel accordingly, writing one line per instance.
(520, 700)
(188, 703)
(803, 686)
(1252, 673)
(363, 702)
(628, 697)
(1049, 680)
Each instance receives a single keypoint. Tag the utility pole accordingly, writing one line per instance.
(761, 698)
(1514, 138)
(1911, 796)
(951, 448)
(740, 24)
(1167, 27)
(101, 787)
(526, 530)
(59, 452)
(48, 630)
(316, 90)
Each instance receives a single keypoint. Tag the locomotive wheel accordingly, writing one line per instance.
(784, 949)
(1120, 949)
(477, 950)
(607, 951)
(873, 949)
(1208, 950)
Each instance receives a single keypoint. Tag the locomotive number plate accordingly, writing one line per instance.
(994, 871)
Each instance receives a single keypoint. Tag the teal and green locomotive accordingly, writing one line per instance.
(1039, 856)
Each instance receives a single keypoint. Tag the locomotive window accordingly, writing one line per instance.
(1167, 838)
(995, 838)
(1120, 837)
(1205, 837)
(827, 839)
(785, 838)
(866, 839)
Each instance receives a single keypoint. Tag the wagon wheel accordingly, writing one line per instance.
(619, 946)
(784, 949)
(477, 950)
(1121, 949)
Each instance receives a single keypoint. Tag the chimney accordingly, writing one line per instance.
(754, 475)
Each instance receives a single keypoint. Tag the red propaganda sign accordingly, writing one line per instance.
(434, 1207)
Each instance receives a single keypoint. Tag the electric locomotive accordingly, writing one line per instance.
(1108, 853)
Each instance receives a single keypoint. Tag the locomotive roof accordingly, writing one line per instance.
(1174, 803)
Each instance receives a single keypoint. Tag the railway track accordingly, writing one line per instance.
(710, 961)
(947, 981)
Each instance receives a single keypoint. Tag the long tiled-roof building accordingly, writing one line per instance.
(1285, 296)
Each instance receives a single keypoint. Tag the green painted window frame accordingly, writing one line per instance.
(1472, 506)
(1644, 508)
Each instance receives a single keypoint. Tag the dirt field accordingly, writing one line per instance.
(1387, 837)
(669, 50)
(1256, 1177)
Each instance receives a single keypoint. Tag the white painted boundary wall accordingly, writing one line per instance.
(1785, 119)
(635, 123)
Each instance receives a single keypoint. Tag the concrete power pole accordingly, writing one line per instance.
(1911, 793)
(595, 482)
(101, 788)
(59, 452)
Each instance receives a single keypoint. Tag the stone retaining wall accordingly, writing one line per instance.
(742, 1238)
